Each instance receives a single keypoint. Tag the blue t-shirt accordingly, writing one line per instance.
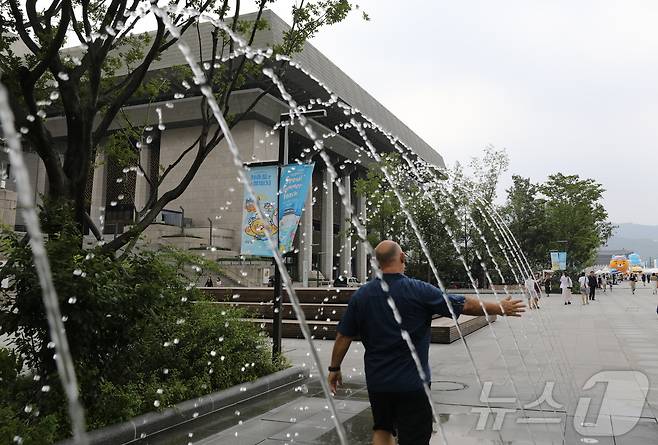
(388, 362)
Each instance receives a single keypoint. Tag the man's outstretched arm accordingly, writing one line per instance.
(341, 345)
(507, 306)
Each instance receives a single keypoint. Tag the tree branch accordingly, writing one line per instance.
(136, 78)
(76, 26)
(243, 60)
(92, 227)
(20, 27)
(51, 56)
(39, 136)
(171, 166)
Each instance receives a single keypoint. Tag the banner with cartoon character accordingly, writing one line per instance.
(254, 237)
(558, 260)
(295, 182)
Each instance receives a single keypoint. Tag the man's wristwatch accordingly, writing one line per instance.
(334, 368)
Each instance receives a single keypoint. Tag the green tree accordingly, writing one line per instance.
(575, 214)
(525, 214)
(474, 191)
(385, 219)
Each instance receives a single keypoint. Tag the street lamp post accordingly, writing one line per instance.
(182, 220)
(284, 135)
(210, 234)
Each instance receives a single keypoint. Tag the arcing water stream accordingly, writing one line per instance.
(64, 361)
(62, 356)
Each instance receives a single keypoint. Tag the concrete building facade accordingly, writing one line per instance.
(209, 213)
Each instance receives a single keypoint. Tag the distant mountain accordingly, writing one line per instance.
(639, 238)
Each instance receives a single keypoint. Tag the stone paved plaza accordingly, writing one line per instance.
(561, 347)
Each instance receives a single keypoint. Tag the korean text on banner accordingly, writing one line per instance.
(295, 182)
(254, 236)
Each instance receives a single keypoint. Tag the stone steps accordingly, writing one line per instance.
(323, 308)
(443, 330)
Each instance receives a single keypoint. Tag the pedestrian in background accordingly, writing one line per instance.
(644, 280)
(582, 281)
(592, 282)
(547, 285)
(654, 283)
(566, 284)
(633, 281)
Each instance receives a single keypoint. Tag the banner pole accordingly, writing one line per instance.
(277, 303)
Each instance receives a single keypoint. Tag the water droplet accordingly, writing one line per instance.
(72, 300)
(77, 272)
(156, 403)
(63, 76)
(45, 388)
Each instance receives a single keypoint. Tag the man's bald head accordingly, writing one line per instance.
(389, 255)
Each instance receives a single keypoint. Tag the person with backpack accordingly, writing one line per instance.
(582, 281)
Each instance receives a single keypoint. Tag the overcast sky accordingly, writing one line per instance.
(564, 86)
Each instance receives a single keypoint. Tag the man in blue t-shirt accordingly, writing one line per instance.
(397, 397)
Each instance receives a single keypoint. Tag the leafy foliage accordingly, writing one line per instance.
(18, 416)
(439, 207)
(564, 213)
(135, 334)
(525, 214)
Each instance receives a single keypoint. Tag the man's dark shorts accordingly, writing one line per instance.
(405, 414)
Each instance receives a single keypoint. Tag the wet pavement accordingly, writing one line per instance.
(560, 375)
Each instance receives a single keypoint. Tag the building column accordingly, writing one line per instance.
(327, 228)
(361, 252)
(306, 240)
(98, 192)
(142, 188)
(345, 229)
